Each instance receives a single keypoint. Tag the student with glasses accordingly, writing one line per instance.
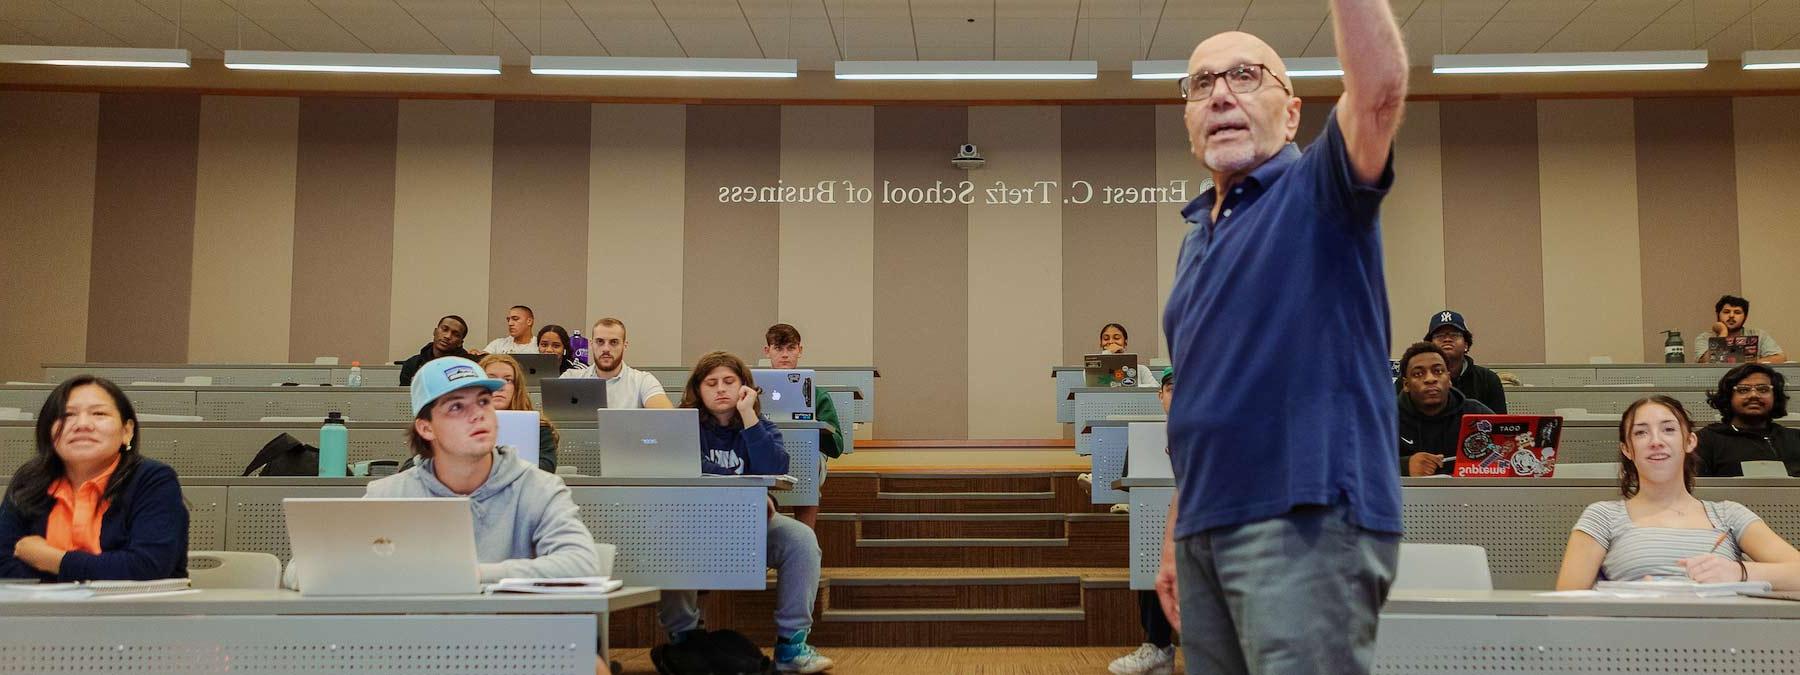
(1749, 400)
(1660, 529)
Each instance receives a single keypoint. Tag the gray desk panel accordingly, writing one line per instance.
(207, 508)
(1099, 403)
(710, 539)
(280, 602)
(1149, 517)
(1068, 378)
(169, 400)
(1108, 442)
(1601, 401)
(804, 463)
(237, 375)
(1416, 644)
(258, 524)
(1657, 374)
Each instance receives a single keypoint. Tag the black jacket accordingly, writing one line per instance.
(411, 366)
(143, 535)
(1435, 434)
(1723, 448)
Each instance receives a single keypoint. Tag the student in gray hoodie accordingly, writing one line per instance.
(526, 523)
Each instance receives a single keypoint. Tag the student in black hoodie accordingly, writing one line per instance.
(1430, 412)
(1749, 400)
(446, 340)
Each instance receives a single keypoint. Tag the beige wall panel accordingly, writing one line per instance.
(1687, 214)
(827, 285)
(1015, 277)
(1412, 227)
(636, 176)
(537, 252)
(1107, 247)
(1174, 162)
(1587, 183)
(47, 148)
(244, 230)
(344, 229)
(1494, 271)
(443, 211)
(1768, 169)
(729, 289)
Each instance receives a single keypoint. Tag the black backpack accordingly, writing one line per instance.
(285, 456)
(719, 652)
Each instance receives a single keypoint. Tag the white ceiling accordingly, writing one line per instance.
(819, 32)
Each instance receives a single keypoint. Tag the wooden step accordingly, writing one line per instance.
(867, 492)
(952, 615)
(1088, 540)
(990, 591)
(962, 526)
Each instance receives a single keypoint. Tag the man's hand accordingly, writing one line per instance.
(1167, 588)
(1423, 464)
(1719, 329)
(746, 406)
(1373, 56)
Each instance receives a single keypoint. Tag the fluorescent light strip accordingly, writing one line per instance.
(336, 62)
(109, 57)
(1297, 68)
(1567, 62)
(627, 66)
(1772, 59)
(967, 70)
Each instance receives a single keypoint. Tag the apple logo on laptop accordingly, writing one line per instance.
(775, 395)
(382, 546)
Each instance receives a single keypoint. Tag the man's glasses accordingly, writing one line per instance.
(1746, 390)
(1241, 79)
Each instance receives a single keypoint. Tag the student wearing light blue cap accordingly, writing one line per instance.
(526, 522)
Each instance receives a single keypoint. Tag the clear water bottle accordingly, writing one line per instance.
(355, 374)
(334, 446)
(579, 347)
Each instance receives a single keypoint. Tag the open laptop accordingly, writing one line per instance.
(519, 429)
(383, 546)
(1739, 349)
(649, 443)
(572, 400)
(1109, 370)
(537, 367)
(1507, 446)
(787, 395)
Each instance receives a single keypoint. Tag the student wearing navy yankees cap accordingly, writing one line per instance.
(1451, 334)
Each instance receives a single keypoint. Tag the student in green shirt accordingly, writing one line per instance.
(781, 344)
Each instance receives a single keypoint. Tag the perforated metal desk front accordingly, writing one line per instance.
(280, 632)
(1522, 632)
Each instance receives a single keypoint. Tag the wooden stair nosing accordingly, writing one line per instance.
(984, 496)
(937, 615)
(993, 580)
(953, 542)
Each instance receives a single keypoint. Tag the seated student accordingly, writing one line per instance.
(1732, 313)
(1430, 412)
(1451, 334)
(626, 387)
(446, 340)
(1114, 339)
(735, 440)
(526, 523)
(1660, 529)
(781, 344)
(88, 505)
(554, 339)
(1157, 655)
(520, 323)
(514, 396)
(1749, 400)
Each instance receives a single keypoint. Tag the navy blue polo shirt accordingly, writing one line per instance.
(1278, 323)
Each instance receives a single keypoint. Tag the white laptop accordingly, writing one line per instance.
(649, 443)
(383, 546)
(787, 395)
(519, 429)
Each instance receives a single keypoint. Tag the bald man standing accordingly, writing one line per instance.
(1285, 530)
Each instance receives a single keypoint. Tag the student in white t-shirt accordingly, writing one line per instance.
(521, 333)
(1114, 340)
(626, 387)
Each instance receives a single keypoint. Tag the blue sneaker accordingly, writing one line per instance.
(793, 655)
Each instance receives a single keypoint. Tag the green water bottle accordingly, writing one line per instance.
(334, 446)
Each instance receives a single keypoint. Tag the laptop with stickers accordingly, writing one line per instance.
(1507, 446)
(787, 395)
(1109, 370)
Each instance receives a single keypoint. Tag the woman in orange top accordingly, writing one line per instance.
(89, 505)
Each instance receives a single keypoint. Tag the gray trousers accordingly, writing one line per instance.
(794, 554)
(1298, 593)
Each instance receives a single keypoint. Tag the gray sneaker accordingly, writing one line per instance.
(1149, 659)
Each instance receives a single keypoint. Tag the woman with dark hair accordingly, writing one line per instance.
(735, 440)
(89, 505)
(1660, 529)
(554, 339)
(446, 340)
(1114, 340)
(1749, 399)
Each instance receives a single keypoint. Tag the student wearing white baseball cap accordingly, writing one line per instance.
(526, 523)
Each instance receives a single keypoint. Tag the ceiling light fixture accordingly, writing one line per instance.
(336, 62)
(1772, 59)
(114, 57)
(967, 70)
(1568, 62)
(633, 66)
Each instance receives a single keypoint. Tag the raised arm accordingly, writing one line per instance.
(1373, 55)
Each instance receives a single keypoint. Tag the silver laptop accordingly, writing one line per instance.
(787, 395)
(650, 443)
(572, 400)
(383, 546)
(537, 367)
